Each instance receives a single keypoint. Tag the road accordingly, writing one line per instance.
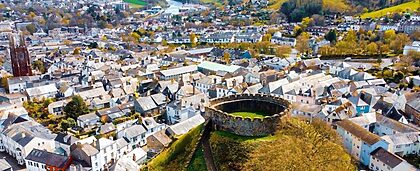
(12, 161)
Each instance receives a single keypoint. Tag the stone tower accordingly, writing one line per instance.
(19, 57)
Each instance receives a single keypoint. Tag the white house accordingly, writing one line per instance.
(136, 135)
(403, 143)
(19, 139)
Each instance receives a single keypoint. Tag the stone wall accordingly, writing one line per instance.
(219, 110)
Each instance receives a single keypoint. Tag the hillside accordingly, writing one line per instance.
(408, 6)
(334, 6)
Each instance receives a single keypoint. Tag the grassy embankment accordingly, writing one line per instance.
(175, 157)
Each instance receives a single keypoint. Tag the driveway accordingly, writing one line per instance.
(12, 161)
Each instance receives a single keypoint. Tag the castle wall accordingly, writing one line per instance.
(220, 108)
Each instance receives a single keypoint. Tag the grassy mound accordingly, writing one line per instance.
(408, 6)
(296, 146)
(176, 156)
(250, 114)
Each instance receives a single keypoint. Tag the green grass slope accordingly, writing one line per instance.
(175, 157)
(408, 6)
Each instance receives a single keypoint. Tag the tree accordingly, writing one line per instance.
(331, 36)
(283, 51)
(372, 48)
(266, 37)
(226, 57)
(39, 65)
(319, 20)
(193, 40)
(307, 22)
(389, 35)
(67, 123)
(31, 28)
(302, 43)
(76, 51)
(76, 107)
(399, 42)
(297, 30)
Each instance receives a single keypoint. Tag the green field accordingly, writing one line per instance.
(250, 114)
(136, 3)
(410, 6)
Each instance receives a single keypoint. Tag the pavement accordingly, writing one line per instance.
(12, 161)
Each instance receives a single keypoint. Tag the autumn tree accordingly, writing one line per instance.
(193, 40)
(283, 51)
(389, 35)
(266, 37)
(302, 43)
(372, 48)
(399, 42)
(226, 57)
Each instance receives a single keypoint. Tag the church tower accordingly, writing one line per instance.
(19, 56)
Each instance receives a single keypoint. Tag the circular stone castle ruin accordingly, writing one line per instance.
(221, 112)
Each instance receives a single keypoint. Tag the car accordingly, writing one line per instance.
(347, 59)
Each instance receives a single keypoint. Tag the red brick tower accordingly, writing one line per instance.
(19, 56)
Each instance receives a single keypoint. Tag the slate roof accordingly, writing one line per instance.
(178, 71)
(162, 138)
(159, 98)
(184, 126)
(359, 132)
(212, 66)
(386, 157)
(134, 131)
(88, 117)
(146, 103)
(47, 158)
(393, 124)
(41, 90)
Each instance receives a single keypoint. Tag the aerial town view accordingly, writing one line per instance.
(210, 85)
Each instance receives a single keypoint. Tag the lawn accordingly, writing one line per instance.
(250, 114)
(136, 3)
(411, 6)
(198, 162)
(175, 157)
